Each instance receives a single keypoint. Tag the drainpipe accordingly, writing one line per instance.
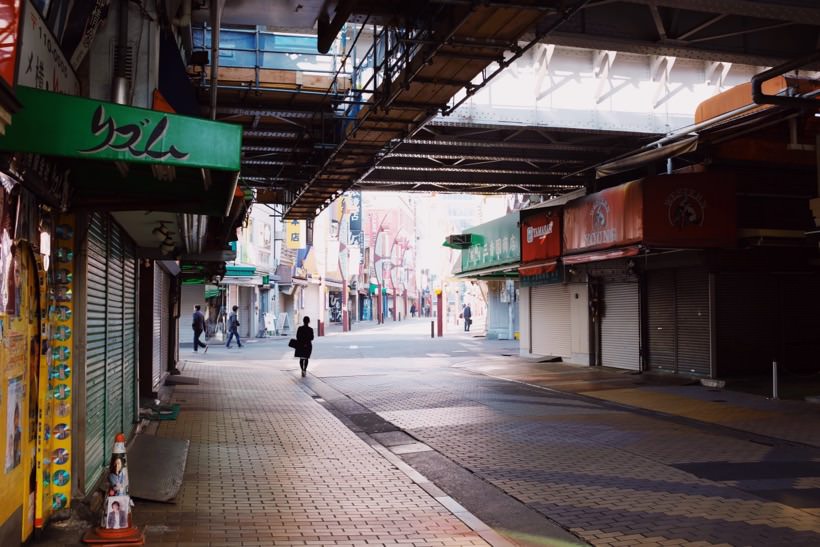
(122, 62)
(216, 23)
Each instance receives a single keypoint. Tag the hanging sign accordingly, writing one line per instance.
(690, 210)
(89, 129)
(41, 63)
(540, 234)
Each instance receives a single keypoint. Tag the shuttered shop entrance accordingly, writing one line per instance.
(765, 317)
(111, 293)
(620, 326)
(161, 320)
(678, 321)
(550, 324)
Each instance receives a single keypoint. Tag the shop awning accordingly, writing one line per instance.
(503, 271)
(536, 268)
(596, 256)
(647, 157)
(236, 270)
(127, 158)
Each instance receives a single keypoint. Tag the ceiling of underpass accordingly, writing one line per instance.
(298, 148)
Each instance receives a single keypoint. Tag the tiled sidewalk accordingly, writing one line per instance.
(795, 421)
(268, 465)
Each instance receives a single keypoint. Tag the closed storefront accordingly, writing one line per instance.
(111, 275)
(160, 321)
(766, 317)
(620, 326)
(678, 321)
(550, 320)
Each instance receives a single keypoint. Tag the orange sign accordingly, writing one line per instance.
(609, 218)
(540, 234)
(690, 210)
(9, 32)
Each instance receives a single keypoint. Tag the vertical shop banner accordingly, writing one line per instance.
(295, 234)
(57, 363)
(9, 39)
(540, 235)
(42, 64)
(610, 218)
(692, 210)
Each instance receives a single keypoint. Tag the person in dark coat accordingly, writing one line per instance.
(468, 317)
(304, 345)
(199, 326)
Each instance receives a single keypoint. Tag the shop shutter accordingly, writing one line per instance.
(95, 362)
(746, 318)
(166, 320)
(525, 305)
(110, 341)
(800, 323)
(156, 371)
(661, 325)
(620, 326)
(114, 363)
(693, 322)
(551, 325)
(129, 406)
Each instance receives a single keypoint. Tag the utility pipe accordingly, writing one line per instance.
(216, 23)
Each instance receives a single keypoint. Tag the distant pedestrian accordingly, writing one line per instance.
(233, 328)
(304, 344)
(199, 326)
(467, 313)
(412, 310)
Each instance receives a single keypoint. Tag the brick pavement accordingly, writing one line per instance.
(268, 465)
(606, 474)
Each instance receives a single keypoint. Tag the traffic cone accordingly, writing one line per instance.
(116, 525)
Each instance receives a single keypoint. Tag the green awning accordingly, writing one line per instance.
(54, 124)
(240, 271)
(212, 291)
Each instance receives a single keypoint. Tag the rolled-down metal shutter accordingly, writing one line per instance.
(110, 341)
(95, 364)
(129, 290)
(114, 363)
(620, 326)
(693, 322)
(166, 320)
(746, 318)
(551, 325)
(660, 320)
(156, 371)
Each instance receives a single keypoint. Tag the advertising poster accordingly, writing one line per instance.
(14, 417)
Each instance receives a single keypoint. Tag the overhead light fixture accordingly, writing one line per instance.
(161, 232)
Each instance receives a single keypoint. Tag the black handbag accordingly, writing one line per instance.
(293, 343)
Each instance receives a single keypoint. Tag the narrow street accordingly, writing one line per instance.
(397, 439)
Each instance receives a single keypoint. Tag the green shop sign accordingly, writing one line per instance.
(496, 244)
(60, 125)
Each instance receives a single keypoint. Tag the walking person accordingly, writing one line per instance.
(199, 326)
(304, 345)
(233, 328)
(467, 313)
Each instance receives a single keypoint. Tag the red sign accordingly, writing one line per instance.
(540, 234)
(10, 19)
(690, 210)
(610, 218)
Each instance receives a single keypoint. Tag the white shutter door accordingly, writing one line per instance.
(620, 326)
(524, 303)
(165, 310)
(551, 325)
(156, 361)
